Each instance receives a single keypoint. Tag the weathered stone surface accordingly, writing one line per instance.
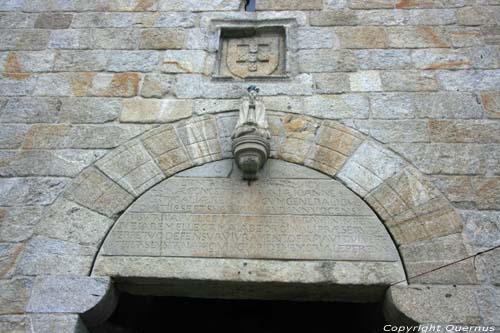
(30, 191)
(115, 19)
(316, 38)
(435, 59)
(389, 131)
(71, 222)
(370, 4)
(491, 104)
(200, 139)
(161, 39)
(48, 323)
(47, 256)
(369, 166)
(173, 20)
(93, 298)
(53, 21)
(115, 85)
(333, 17)
(331, 83)
(362, 37)
(445, 158)
(14, 324)
(478, 15)
(64, 84)
(31, 110)
(218, 169)
(94, 190)
(14, 295)
(372, 243)
(423, 261)
(337, 106)
(206, 106)
(447, 105)
(18, 65)
(392, 106)
(293, 137)
(408, 81)
(289, 5)
(468, 80)
(17, 87)
(199, 86)
(17, 20)
(89, 110)
(413, 209)
(417, 37)
(62, 136)
(457, 189)
(433, 304)
(466, 131)
(289, 104)
(197, 6)
(490, 263)
(488, 301)
(9, 253)
(364, 81)
(383, 59)
(52, 163)
(155, 111)
(70, 39)
(317, 280)
(133, 61)
(114, 39)
(166, 148)
(24, 39)
(17, 223)
(184, 61)
(157, 85)
(314, 61)
(132, 167)
(482, 228)
(334, 145)
(12, 135)
(225, 125)
(487, 192)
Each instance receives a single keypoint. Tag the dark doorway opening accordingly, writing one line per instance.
(146, 314)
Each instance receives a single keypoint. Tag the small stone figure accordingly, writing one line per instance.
(251, 136)
(252, 118)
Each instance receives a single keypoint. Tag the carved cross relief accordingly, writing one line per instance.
(252, 56)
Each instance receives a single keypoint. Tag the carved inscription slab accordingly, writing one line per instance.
(305, 219)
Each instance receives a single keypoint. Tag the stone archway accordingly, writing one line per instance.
(416, 214)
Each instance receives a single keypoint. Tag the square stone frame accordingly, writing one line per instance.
(288, 25)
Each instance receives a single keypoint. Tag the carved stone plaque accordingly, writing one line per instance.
(247, 53)
(306, 217)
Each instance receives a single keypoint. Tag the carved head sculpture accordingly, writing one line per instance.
(252, 94)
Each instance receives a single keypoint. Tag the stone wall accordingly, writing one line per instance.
(421, 79)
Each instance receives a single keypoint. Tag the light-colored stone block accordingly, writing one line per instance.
(200, 139)
(132, 167)
(334, 145)
(93, 298)
(155, 111)
(30, 190)
(69, 221)
(370, 166)
(14, 295)
(185, 61)
(166, 148)
(92, 189)
(47, 256)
